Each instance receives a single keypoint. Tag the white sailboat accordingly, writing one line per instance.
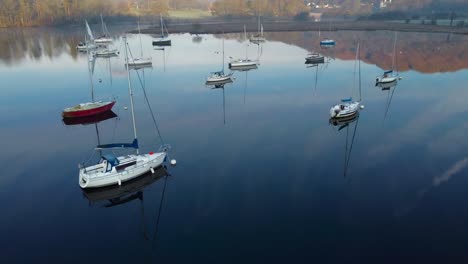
(163, 40)
(141, 62)
(258, 38)
(389, 76)
(327, 42)
(243, 63)
(112, 170)
(87, 44)
(347, 108)
(219, 76)
(105, 38)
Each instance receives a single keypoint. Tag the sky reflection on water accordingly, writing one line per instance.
(258, 180)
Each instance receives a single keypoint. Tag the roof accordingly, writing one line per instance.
(111, 159)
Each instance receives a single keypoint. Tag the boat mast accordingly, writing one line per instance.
(89, 70)
(359, 63)
(130, 91)
(394, 51)
(139, 35)
(102, 25)
(246, 44)
(162, 27)
(223, 53)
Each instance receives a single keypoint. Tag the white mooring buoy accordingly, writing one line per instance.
(125, 108)
(152, 170)
(362, 107)
(173, 162)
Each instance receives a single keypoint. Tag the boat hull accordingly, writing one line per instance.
(166, 42)
(103, 40)
(240, 65)
(344, 110)
(144, 164)
(219, 80)
(315, 60)
(140, 63)
(88, 112)
(387, 80)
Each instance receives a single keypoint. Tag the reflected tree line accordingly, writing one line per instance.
(422, 52)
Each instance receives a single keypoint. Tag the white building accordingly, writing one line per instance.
(385, 3)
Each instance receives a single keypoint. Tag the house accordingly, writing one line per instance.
(385, 3)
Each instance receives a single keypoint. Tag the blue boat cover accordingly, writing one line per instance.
(388, 72)
(134, 145)
(346, 100)
(111, 159)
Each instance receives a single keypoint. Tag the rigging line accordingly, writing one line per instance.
(147, 102)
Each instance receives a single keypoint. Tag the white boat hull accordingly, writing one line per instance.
(242, 64)
(140, 62)
(218, 79)
(106, 53)
(389, 79)
(96, 176)
(103, 40)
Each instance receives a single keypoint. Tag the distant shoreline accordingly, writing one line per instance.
(218, 27)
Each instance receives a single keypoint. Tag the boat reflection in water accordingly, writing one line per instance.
(220, 85)
(89, 120)
(388, 87)
(115, 195)
(343, 123)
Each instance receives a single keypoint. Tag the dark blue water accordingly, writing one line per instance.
(261, 176)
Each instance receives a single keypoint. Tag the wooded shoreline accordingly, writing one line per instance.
(218, 27)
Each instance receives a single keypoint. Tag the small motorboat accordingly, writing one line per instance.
(387, 77)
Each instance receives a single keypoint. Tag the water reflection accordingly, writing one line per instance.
(346, 123)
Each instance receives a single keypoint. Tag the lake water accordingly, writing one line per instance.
(262, 176)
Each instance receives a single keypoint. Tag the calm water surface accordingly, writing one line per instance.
(262, 176)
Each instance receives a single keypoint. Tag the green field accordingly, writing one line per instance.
(189, 14)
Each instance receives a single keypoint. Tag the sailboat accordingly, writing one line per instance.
(219, 76)
(243, 63)
(112, 170)
(87, 45)
(90, 108)
(163, 40)
(141, 62)
(389, 76)
(347, 108)
(314, 58)
(258, 38)
(105, 38)
(327, 42)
